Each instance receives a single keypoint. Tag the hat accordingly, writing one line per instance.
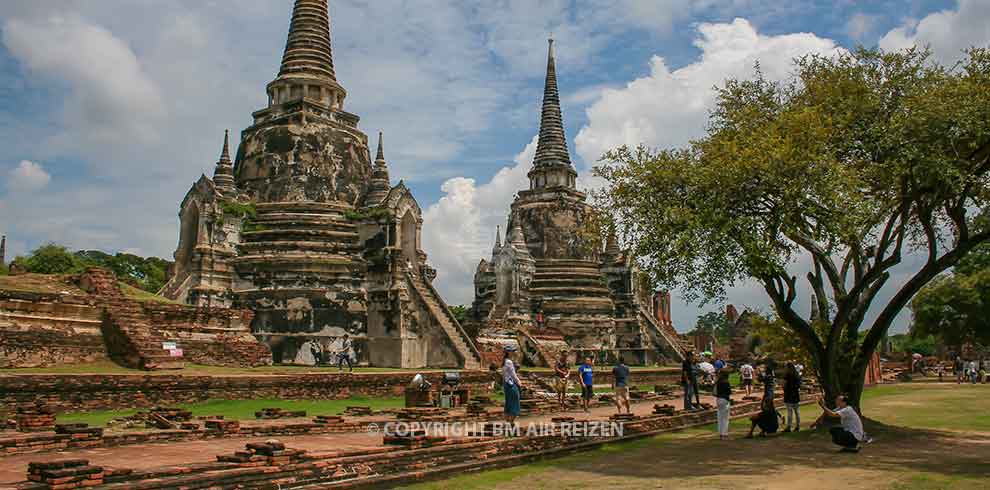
(510, 348)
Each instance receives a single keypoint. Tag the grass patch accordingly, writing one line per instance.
(142, 295)
(242, 409)
(905, 455)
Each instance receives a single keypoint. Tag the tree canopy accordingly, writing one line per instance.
(147, 273)
(841, 171)
(715, 323)
(955, 308)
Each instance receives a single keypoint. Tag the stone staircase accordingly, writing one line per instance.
(131, 340)
(665, 334)
(445, 319)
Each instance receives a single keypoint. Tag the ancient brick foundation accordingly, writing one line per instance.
(86, 318)
(64, 393)
(273, 465)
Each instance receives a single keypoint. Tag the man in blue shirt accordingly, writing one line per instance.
(585, 376)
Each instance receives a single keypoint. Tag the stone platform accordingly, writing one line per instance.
(83, 392)
(354, 460)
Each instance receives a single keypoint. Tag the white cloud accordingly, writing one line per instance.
(459, 229)
(667, 108)
(948, 32)
(27, 176)
(110, 99)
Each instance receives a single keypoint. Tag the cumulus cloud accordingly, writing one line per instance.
(27, 176)
(459, 229)
(110, 96)
(948, 32)
(669, 107)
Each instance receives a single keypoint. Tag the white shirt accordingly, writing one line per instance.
(746, 371)
(851, 422)
(509, 373)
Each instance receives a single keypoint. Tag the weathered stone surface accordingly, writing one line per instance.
(310, 236)
(549, 287)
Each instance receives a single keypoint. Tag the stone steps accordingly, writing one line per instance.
(440, 313)
(277, 246)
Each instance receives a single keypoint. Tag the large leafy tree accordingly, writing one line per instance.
(955, 308)
(839, 173)
(715, 323)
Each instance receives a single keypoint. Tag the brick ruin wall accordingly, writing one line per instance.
(45, 329)
(65, 393)
(39, 330)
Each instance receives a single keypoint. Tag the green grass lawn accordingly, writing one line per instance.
(243, 409)
(915, 448)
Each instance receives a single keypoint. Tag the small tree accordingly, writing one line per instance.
(50, 259)
(857, 161)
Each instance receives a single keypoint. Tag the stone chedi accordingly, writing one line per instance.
(303, 229)
(547, 269)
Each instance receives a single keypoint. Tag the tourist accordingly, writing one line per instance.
(620, 377)
(688, 379)
(719, 364)
(344, 355)
(768, 419)
(510, 386)
(746, 375)
(850, 434)
(983, 370)
(563, 371)
(586, 377)
(959, 369)
(723, 398)
(792, 397)
(769, 378)
(316, 349)
(973, 371)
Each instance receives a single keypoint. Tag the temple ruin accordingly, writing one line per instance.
(548, 287)
(306, 231)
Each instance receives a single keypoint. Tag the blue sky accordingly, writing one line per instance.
(110, 109)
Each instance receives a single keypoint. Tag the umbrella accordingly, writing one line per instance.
(917, 356)
(706, 367)
(707, 353)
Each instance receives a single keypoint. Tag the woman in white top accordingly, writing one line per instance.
(510, 385)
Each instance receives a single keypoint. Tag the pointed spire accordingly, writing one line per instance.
(551, 148)
(612, 244)
(380, 183)
(380, 158)
(225, 152)
(498, 236)
(3, 250)
(308, 50)
(223, 173)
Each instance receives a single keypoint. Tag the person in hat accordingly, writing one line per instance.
(511, 386)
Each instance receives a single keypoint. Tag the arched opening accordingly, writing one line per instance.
(408, 232)
(188, 238)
